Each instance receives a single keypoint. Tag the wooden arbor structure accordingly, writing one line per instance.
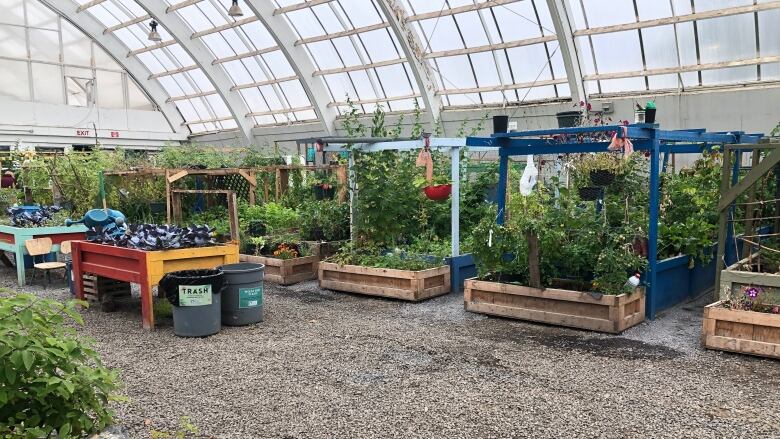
(248, 176)
(765, 158)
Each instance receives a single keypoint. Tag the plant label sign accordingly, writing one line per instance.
(250, 297)
(194, 295)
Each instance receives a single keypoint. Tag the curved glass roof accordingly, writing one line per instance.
(472, 52)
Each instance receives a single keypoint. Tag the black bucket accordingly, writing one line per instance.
(242, 300)
(195, 296)
(568, 119)
(650, 115)
(500, 124)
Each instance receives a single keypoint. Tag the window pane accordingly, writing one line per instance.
(14, 81)
(47, 83)
(44, 45)
(110, 90)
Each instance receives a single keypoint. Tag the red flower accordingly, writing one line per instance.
(589, 106)
(582, 103)
(647, 154)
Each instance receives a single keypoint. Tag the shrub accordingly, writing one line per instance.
(324, 220)
(52, 382)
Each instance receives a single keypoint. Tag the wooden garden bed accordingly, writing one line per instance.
(611, 314)
(397, 284)
(143, 267)
(286, 271)
(745, 332)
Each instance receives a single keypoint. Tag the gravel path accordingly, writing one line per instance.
(327, 364)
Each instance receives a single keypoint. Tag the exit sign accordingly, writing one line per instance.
(115, 134)
(82, 133)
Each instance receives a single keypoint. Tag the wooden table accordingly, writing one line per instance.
(12, 239)
(145, 268)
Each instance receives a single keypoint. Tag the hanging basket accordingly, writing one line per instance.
(438, 192)
(589, 193)
(602, 177)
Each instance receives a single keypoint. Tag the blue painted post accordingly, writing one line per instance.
(730, 229)
(652, 294)
(666, 161)
(503, 170)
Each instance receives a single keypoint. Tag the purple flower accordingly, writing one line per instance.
(752, 292)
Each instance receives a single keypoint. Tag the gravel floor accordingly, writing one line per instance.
(327, 364)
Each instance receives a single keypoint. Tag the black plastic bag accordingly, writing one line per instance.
(171, 282)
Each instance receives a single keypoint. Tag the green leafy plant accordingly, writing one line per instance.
(185, 429)
(325, 220)
(53, 382)
(395, 259)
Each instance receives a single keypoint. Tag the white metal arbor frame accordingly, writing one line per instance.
(294, 61)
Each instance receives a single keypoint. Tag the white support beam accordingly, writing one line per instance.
(226, 26)
(415, 53)
(173, 72)
(344, 33)
(489, 47)
(299, 60)
(113, 46)
(280, 112)
(375, 101)
(686, 68)
(560, 11)
(192, 96)
(159, 45)
(299, 6)
(257, 52)
(127, 23)
(88, 5)
(460, 9)
(716, 13)
(264, 83)
(506, 87)
(198, 51)
(184, 4)
(359, 67)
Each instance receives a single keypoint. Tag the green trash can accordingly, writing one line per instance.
(242, 299)
(195, 296)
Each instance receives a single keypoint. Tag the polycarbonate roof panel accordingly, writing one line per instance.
(479, 52)
(460, 36)
(714, 42)
(345, 40)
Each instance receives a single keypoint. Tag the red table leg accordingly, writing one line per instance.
(147, 300)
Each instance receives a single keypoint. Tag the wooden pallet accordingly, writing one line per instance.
(396, 284)
(97, 287)
(744, 332)
(612, 314)
(286, 271)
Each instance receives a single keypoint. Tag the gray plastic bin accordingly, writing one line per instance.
(195, 296)
(242, 299)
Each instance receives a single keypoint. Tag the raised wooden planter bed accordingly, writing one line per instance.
(397, 284)
(575, 309)
(286, 271)
(744, 332)
(145, 268)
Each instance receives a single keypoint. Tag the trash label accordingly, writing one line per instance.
(194, 295)
(250, 297)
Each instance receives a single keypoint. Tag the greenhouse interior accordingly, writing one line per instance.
(389, 218)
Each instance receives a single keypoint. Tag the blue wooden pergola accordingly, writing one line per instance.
(645, 137)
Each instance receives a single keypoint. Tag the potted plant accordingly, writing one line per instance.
(438, 189)
(599, 168)
(324, 186)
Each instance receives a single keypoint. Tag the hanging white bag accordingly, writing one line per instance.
(530, 174)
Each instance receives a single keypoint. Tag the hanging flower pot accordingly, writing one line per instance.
(590, 193)
(602, 177)
(438, 192)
